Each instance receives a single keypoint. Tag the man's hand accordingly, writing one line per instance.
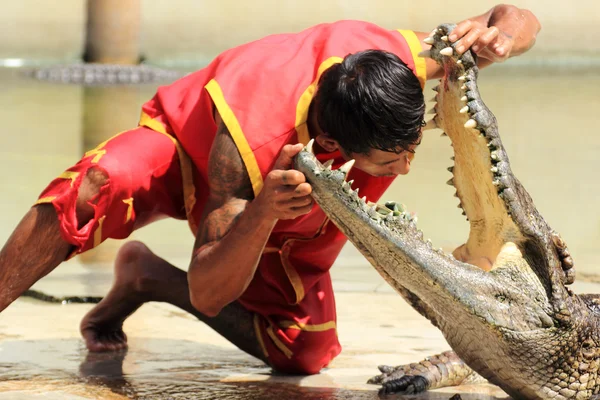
(286, 194)
(504, 31)
(489, 43)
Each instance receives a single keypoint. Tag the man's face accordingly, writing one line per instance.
(384, 163)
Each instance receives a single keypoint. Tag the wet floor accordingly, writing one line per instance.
(546, 121)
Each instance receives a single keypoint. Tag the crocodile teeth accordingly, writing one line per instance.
(452, 158)
(429, 40)
(462, 78)
(494, 155)
(494, 169)
(471, 123)
(350, 182)
(432, 111)
(328, 164)
(464, 87)
(436, 88)
(451, 169)
(450, 182)
(309, 146)
(346, 167)
(425, 54)
(444, 38)
(464, 110)
(346, 187)
(443, 134)
(434, 98)
(448, 51)
(464, 98)
(364, 199)
(459, 62)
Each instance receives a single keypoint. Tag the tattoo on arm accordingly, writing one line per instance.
(230, 189)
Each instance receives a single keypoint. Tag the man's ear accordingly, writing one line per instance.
(328, 143)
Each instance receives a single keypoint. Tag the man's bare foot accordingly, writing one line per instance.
(102, 327)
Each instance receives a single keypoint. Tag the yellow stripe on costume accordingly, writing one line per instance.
(129, 203)
(69, 175)
(44, 200)
(415, 48)
(308, 327)
(259, 335)
(97, 152)
(189, 190)
(306, 98)
(235, 130)
(98, 232)
(287, 352)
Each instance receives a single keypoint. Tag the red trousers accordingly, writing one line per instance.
(149, 177)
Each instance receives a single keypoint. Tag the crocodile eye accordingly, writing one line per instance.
(588, 349)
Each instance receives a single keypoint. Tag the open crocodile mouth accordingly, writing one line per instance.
(505, 228)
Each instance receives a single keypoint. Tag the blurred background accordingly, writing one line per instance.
(545, 102)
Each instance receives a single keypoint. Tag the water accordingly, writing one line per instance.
(547, 125)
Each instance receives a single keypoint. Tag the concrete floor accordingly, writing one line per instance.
(173, 356)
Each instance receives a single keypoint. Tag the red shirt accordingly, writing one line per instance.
(262, 91)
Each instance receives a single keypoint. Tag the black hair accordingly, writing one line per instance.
(371, 100)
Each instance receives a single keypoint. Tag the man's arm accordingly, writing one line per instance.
(502, 32)
(235, 227)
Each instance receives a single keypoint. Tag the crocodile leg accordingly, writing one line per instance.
(438, 371)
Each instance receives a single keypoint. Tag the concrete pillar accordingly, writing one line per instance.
(113, 31)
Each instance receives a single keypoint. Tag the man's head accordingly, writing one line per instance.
(371, 107)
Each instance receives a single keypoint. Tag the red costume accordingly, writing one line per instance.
(262, 91)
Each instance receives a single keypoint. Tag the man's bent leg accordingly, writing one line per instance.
(140, 277)
(33, 250)
(36, 246)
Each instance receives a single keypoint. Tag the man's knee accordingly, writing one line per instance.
(312, 351)
(90, 187)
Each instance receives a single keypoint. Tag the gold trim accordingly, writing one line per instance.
(44, 200)
(306, 98)
(129, 203)
(415, 48)
(97, 153)
(308, 327)
(69, 175)
(98, 232)
(259, 335)
(189, 190)
(291, 272)
(287, 352)
(289, 269)
(237, 134)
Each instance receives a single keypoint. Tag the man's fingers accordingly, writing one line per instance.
(468, 40)
(297, 202)
(288, 177)
(460, 30)
(284, 161)
(485, 39)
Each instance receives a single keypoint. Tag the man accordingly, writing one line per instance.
(215, 148)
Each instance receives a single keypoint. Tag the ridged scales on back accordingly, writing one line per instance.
(501, 299)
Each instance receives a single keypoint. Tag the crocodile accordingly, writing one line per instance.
(91, 74)
(512, 319)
